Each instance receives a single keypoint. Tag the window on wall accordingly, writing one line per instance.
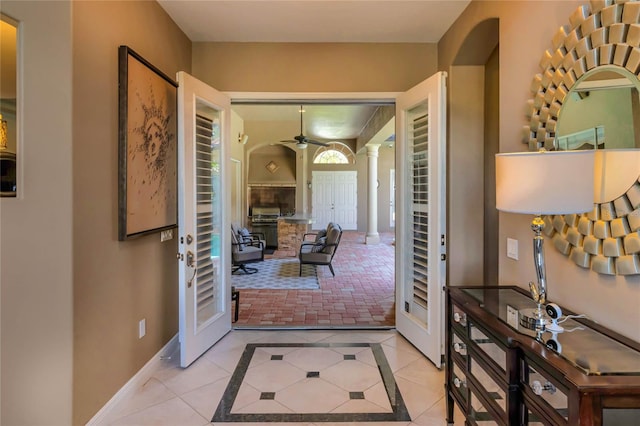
(335, 153)
(8, 91)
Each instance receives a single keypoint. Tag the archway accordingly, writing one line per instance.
(473, 142)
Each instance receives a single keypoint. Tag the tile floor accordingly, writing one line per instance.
(293, 377)
(361, 294)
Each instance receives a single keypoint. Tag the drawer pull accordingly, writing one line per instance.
(460, 318)
(458, 383)
(538, 388)
(460, 348)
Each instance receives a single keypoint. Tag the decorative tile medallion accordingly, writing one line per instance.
(272, 167)
(306, 371)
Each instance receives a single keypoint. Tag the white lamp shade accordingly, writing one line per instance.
(557, 182)
(616, 171)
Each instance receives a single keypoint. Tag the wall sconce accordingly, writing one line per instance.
(243, 138)
(309, 184)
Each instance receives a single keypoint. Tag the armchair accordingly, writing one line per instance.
(322, 250)
(244, 235)
(244, 251)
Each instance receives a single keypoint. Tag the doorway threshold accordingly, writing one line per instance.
(268, 327)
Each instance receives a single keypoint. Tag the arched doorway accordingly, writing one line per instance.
(473, 142)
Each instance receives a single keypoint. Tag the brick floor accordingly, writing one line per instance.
(361, 294)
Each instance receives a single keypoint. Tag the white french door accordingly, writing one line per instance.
(392, 198)
(321, 199)
(204, 274)
(421, 210)
(335, 199)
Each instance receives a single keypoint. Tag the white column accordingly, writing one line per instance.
(302, 191)
(372, 236)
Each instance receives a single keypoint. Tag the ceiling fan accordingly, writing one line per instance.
(301, 140)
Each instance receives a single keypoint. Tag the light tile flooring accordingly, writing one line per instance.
(295, 377)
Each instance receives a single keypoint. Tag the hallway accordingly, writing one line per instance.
(360, 295)
(294, 378)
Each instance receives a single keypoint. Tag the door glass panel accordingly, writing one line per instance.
(208, 275)
(418, 150)
(8, 98)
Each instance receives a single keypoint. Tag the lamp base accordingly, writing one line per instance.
(532, 319)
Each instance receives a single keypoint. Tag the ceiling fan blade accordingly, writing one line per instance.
(311, 141)
(289, 141)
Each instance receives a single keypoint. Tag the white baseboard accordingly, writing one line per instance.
(139, 379)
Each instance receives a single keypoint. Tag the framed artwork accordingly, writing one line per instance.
(147, 150)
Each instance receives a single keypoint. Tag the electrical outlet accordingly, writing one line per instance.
(512, 248)
(166, 235)
(512, 316)
(142, 328)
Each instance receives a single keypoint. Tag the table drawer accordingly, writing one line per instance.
(479, 413)
(489, 346)
(490, 388)
(459, 385)
(541, 389)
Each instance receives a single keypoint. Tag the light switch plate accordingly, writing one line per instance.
(512, 317)
(512, 248)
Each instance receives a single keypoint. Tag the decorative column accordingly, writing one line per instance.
(302, 191)
(372, 236)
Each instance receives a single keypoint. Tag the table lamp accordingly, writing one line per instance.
(541, 183)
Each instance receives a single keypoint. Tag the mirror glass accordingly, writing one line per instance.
(601, 111)
(8, 119)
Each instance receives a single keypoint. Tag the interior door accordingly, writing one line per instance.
(421, 207)
(345, 199)
(204, 288)
(335, 199)
(322, 199)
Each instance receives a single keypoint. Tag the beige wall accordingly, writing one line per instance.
(466, 171)
(36, 231)
(491, 147)
(236, 161)
(315, 67)
(116, 284)
(526, 29)
(320, 67)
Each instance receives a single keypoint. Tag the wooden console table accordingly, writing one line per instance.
(500, 372)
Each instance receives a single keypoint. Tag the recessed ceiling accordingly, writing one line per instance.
(310, 21)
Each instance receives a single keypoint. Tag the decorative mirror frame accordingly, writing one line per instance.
(604, 32)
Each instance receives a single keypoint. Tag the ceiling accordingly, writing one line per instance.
(310, 21)
(322, 122)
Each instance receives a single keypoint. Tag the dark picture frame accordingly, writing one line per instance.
(147, 147)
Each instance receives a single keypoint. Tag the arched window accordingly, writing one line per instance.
(335, 153)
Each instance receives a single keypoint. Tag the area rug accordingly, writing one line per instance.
(279, 274)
